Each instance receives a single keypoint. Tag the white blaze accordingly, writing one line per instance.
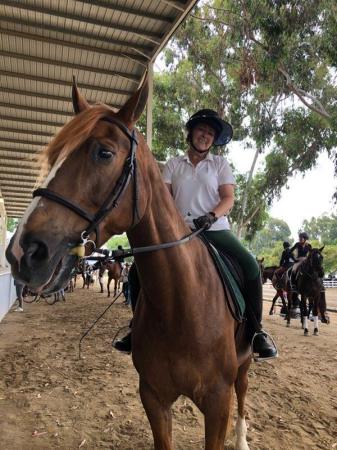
(16, 247)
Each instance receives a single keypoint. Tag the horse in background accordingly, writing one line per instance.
(114, 269)
(268, 274)
(309, 285)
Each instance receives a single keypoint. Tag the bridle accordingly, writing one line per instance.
(112, 200)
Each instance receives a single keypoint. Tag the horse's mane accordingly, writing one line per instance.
(71, 136)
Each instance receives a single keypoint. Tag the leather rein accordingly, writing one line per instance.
(111, 202)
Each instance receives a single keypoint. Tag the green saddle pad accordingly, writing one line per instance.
(228, 279)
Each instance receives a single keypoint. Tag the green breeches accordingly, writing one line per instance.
(225, 240)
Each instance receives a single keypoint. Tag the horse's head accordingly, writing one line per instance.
(260, 263)
(315, 258)
(90, 187)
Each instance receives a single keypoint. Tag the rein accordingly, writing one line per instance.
(112, 200)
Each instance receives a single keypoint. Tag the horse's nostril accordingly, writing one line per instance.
(36, 252)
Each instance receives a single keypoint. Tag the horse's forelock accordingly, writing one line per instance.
(71, 136)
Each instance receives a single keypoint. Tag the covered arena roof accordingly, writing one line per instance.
(106, 44)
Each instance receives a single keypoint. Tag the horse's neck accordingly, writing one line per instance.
(161, 223)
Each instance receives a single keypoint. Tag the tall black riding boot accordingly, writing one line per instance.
(125, 344)
(263, 348)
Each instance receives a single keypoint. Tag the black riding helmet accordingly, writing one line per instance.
(223, 130)
(303, 235)
(286, 245)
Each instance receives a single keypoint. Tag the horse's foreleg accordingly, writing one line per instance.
(216, 406)
(100, 280)
(271, 312)
(304, 314)
(108, 286)
(241, 386)
(315, 313)
(159, 415)
(289, 298)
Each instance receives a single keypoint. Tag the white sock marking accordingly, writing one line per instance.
(241, 434)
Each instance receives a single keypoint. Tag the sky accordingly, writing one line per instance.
(304, 197)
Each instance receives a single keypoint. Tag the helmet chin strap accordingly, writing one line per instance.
(201, 152)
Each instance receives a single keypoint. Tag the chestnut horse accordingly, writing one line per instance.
(184, 338)
(114, 269)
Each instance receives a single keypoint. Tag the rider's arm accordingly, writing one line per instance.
(226, 193)
(293, 247)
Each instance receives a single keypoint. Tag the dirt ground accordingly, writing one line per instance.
(50, 399)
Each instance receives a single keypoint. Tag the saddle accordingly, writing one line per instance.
(232, 279)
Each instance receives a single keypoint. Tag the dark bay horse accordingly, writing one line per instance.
(309, 285)
(185, 340)
(268, 274)
(309, 273)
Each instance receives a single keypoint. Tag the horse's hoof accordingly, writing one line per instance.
(315, 332)
(288, 324)
(271, 313)
(306, 332)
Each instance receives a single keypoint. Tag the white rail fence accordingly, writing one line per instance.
(7, 293)
(330, 283)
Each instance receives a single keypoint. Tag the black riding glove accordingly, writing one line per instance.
(205, 222)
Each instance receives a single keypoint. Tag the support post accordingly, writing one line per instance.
(3, 227)
(149, 107)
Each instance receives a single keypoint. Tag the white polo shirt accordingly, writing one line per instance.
(196, 188)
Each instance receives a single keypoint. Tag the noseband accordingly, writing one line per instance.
(112, 200)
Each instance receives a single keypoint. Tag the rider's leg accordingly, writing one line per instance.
(227, 241)
(124, 344)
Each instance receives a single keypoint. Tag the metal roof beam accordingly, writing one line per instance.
(32, 121)
(26, 154)
(23, 76)
(19, 194)
(17, 198)
(9, 175)
(22, 141)
(20, 163)
(134, 11)
(140, 48)
(34, 109)
(31, 132)
(6, 167)
(45, 96)
(141, 32)
(74, 66)
(137, 58)
(28, 184)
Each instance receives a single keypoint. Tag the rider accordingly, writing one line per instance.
(302, 248)
(202, 185)
(286, 261)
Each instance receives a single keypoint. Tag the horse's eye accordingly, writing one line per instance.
(104, 154)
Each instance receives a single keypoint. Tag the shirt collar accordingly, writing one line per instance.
(209, 157)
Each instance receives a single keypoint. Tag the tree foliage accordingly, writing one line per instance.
(323, 229)
(267, 67)
(12, 224)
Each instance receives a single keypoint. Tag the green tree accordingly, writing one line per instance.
(323, 228)
(276, 231)
(268, 69)
(12, 224)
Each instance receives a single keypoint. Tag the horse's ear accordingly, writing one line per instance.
(321, 249)
(79, 102)
(262, 260)
(134, 107)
